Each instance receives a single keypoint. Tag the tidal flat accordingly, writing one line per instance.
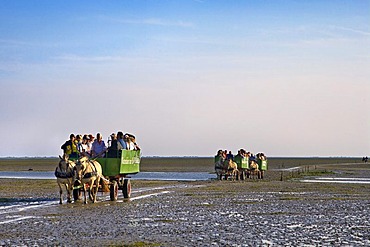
(279, 210)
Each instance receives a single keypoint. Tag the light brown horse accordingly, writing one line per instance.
(232, 169)
(64, 174)
(88, 173)
(253, 169)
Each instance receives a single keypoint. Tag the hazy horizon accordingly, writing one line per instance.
(201, 157)
(284, 77)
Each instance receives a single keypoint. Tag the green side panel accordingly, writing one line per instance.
(245, 163)
(129, 163)
(217, 158)
(262, 164)
(110, 166)
(238, 160)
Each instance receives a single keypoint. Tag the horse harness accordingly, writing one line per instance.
(93, 173)
(61, 174)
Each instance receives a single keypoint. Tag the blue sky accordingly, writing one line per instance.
(288, 78)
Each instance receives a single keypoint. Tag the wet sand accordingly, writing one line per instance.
(267, 212)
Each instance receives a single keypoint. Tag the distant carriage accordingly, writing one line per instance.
(116, 171)
(226, 168)
(247, 167)
(262, 166)
(243, 166)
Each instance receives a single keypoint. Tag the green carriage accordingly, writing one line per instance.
(116, 170)
(243, 166)
(262, 166)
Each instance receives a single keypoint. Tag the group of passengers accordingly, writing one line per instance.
(241, 153)
(88, 145)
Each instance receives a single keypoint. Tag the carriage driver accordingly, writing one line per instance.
(70, 147)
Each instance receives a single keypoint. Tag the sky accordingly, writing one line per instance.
(283, 77)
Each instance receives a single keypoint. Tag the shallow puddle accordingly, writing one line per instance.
(337, 180)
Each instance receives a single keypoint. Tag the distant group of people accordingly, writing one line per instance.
(365, 159)
(241, 152)
(87, 145)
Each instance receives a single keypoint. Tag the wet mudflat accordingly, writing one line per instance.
(265, 212)
(217, 213)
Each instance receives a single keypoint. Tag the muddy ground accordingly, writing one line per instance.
(267, 212)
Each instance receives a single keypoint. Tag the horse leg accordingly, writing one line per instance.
(85, 195)
(91, 190)
(96, 189)
(60, 194)
(69, 192)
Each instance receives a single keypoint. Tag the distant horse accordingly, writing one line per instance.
(220, 167)
(88, 173)
(253, 169)
(64, 174)
(232, 169)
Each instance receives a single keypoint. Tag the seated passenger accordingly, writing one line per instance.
(98, 147)
(230, 156)
(115, 147)
(70, 147)
(239, 154)
(84, 147)
(78, 142)
(261, 156)
(120, 139)
(90, 141)
(131, 143)
(219, 153)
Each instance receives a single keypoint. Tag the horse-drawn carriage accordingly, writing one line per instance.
(109, 174)
(246, 167)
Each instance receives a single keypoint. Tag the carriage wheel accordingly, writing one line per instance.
(113, 191)
(126, 189)
(76, 194)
